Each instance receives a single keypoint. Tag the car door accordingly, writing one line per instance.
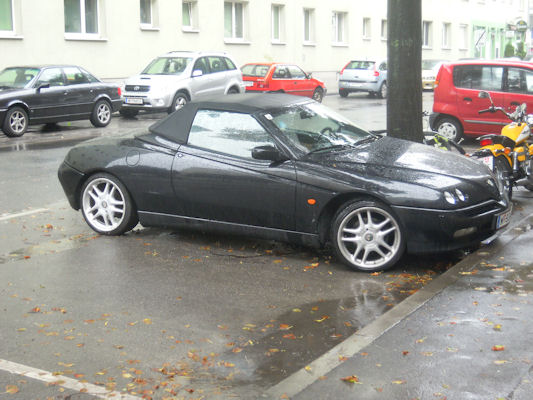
(218, 74)
(469, 80)
(281, 80)
(49, 103)
(201, 79)
(215, 177)
(80, 92)
(301, 85)
(518, 88)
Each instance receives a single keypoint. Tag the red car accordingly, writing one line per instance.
(456, 103)
(278, 77)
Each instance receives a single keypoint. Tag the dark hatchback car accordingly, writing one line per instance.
(288, 168)
(48, 94)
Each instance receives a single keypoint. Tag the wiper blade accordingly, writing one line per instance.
(331, 148)
(5, 87)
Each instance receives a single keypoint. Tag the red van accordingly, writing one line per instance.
(456, 102)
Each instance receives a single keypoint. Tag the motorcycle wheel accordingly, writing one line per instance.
(504, 171)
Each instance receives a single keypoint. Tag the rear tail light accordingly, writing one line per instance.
(437, 79)
(376, 73)
(485, 142)
(119, 91)
(345, 67)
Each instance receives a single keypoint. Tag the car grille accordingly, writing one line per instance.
(137, 88)
(488, 207)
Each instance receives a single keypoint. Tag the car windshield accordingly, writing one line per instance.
(360, 65)
(257, 70)
(17, 77)
(167, 66)
(430, 64)
(313, 128)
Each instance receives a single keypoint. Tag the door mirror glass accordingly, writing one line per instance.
(196, 73)
(43, 86)
(268, 152)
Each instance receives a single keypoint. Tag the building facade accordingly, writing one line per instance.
(117, 38)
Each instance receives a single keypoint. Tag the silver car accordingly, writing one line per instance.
(364, 76)
(173, 79)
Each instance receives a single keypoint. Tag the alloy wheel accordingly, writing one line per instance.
(103, 204)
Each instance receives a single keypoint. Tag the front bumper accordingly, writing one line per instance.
(71, 180)
(429, 231)
(145, 101)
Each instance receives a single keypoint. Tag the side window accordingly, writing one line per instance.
(201, 64)
(481, 77)
(75, 76)
(216, 64)
(228, 133)
(230, 63)
(53, 76)
(383, 66)
(519, 80)
(281, 72)
(296, 72)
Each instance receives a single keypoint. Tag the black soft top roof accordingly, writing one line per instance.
(177, 125)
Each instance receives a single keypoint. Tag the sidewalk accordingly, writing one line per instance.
(466, 335)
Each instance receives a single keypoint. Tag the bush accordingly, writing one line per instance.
(509, 50)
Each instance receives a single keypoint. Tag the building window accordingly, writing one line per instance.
(189, 15)
(367, 28)
(463, 37)
(383, 29)
(81, 17)
(446, 35)
(277, 23)
(233, 20)
(427, 32)
(339, 27)
(149, 17)
(309, 25)
(6, 16)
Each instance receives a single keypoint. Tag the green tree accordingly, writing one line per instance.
(520, 51)
(509, 50)
(404, 69)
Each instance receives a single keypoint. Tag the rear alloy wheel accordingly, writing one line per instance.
(318, 94)
(179, 101)
(367, 236)
(382, 93)
(449, 128)
(107, 206)
(101, 115)
(343, 93)
(15, 122)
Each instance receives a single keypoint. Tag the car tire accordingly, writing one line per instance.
(449, 128)
(367, 236)
(101, 115)
(128, 113)
(318, 94)
(503, 169)
(382, 92)
(233, 90)
(343, 93)
(106, 205)
(15, 122)
(180, 99)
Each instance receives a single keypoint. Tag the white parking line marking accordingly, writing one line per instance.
(63, 381)
(5, 217)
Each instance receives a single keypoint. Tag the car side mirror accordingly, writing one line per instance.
(43, 86)
(197, 72)
(269, 153)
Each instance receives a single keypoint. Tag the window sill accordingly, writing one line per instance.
(149, 28)
(309, 44)
(337, 44)
(446, 48)
(367, 38)
(236, 41)
(84, 38)
(188, 29)
(427, 47)
(9, 35)
(278, 43)
(383, 39)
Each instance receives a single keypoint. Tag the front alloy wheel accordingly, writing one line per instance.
(15, 122)
(367, 237)
(106, 205)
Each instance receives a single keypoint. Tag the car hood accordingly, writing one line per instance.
(406, 161)
(10, 93)
(159, 80)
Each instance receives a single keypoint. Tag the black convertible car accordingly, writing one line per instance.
(287, 168)
(54, 93)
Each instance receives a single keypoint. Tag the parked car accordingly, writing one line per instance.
(364, 76)
(288, 168)
(47, 94)
(456, 104)
(286, 78)
(430, 68)
(173, 79)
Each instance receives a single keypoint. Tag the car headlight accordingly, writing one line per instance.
(455, 196)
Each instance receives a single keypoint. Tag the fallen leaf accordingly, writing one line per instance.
(324, 317)
(498, 347)
(399, 382)
(284, 327)
(350, 379)
(12, 389)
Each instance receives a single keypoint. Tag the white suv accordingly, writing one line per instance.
(175, 78)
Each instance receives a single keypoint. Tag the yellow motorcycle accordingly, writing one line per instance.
(509, 154)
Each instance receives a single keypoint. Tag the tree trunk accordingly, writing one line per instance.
(404, 69)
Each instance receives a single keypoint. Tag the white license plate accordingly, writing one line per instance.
(248, 83)
(356, 84)
(488, 161)
(133, 100)
(503, 219)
